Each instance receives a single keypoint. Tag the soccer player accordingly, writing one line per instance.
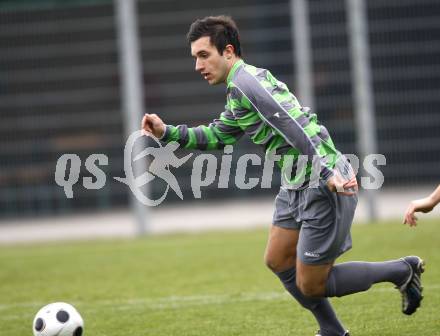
(421, 205)
(311, 223)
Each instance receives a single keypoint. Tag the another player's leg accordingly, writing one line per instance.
(280, 257)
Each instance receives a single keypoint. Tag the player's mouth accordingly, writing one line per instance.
(206, 75)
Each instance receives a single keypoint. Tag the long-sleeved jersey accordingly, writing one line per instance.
(264, 108)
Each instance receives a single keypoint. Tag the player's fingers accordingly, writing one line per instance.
(347, 193)
(351, 183)
(412, 220)
(339, 188)
(344, 189)
(147, 127)
(153, 121)
(348, 188)
(153, 117)
(147, 123)
(147, 130)
(353, 187)
(406, 217)
(147, 118)
(144, 120)
(352, 180)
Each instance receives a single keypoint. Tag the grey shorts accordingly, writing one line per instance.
(323, 217)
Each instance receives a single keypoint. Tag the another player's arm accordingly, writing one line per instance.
(220, 132)
(421, 205)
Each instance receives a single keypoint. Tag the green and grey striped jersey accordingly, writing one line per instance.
(264, 108)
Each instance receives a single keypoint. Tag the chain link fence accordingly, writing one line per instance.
(60, 88)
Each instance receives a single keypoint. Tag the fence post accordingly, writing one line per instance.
(363, 92)
(130, 69)
(299, 15)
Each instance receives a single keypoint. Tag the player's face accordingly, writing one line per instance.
(212, 66)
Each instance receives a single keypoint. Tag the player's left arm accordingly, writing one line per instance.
(273, 113)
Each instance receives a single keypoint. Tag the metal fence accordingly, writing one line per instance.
(59, 93)
(60, 87)
(405, 49)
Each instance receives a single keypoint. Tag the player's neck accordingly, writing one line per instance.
(231, 64)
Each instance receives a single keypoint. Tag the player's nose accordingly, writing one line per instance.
(199, 66)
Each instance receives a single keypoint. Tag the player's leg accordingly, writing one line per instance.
(280, 253)
(353, 277)
(350, 277)
(312, 279)
(325, 234)
(280, 257)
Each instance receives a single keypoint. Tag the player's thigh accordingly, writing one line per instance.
(326, 221)
(281, 248)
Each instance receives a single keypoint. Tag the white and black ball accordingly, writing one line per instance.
(58, 319)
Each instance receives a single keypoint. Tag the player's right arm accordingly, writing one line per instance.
(421, 205)
(220, 132)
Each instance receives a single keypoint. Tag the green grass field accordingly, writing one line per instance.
(207, 284)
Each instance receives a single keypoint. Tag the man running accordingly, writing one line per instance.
(315, 207)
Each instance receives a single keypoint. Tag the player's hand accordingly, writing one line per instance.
(152, 124)
(422, 205)
(338, 184)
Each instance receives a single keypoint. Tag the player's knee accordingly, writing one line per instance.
(275, 263)
(271, 262)
(311, 288)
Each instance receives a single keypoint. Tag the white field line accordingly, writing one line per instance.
(169, 302)
(164, 303)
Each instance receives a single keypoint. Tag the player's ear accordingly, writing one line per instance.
(229, 51)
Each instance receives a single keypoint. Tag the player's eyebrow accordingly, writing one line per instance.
(203, 51)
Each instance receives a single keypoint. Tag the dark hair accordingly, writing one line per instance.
(221, 30)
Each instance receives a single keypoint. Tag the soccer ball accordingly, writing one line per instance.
(58, 319)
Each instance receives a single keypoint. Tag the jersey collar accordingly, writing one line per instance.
(233, 70)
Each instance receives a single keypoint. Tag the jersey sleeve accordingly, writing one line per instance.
(220, 132)
(272, 111)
